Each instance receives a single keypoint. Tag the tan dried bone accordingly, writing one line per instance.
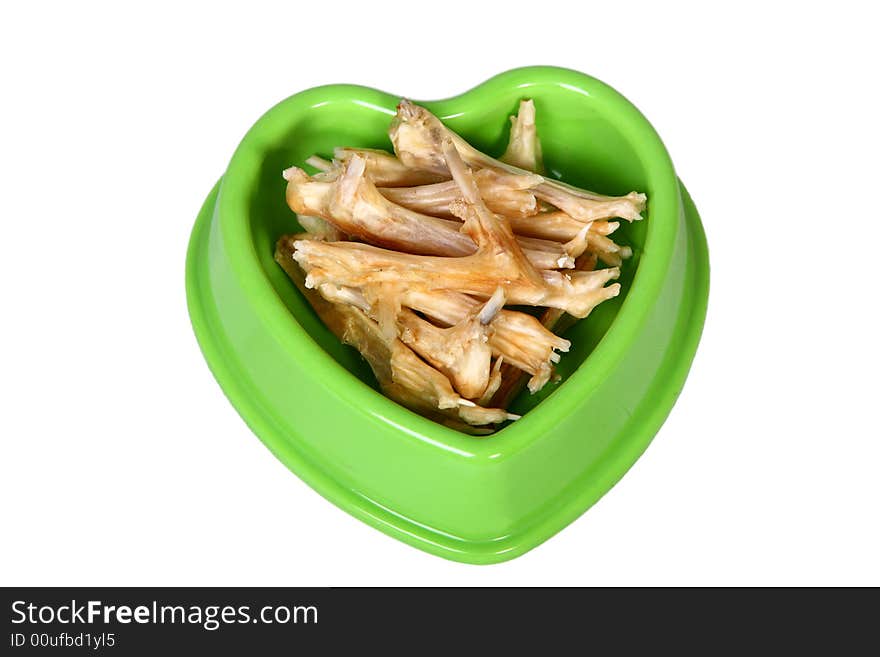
(524, 147)
(353, 204)
(402, 375)
(557, 226)
(385, 170)
(494, 382)
(503, 193)
(513, 381)
(462, 352)
(418, 136)
(499, 261)
(608, 250)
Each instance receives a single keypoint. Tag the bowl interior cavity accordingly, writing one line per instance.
(583, 144)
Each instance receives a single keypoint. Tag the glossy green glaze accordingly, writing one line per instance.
(313, 401)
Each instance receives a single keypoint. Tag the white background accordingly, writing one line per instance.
(122, 462)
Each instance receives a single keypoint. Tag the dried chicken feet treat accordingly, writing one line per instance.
(462, 352)
(418, 138)
(513, 381)
(504, 193)
(592, 207)
(412, 258)
(556, 226)
(355, 207)
(524, 147)
(385, 170)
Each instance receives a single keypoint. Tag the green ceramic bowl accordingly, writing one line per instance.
(314, 402)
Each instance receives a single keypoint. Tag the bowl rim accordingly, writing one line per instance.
(662, 217)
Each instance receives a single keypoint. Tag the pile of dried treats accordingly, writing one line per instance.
(413, 258)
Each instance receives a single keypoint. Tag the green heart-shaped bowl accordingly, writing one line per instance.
(313, 401)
